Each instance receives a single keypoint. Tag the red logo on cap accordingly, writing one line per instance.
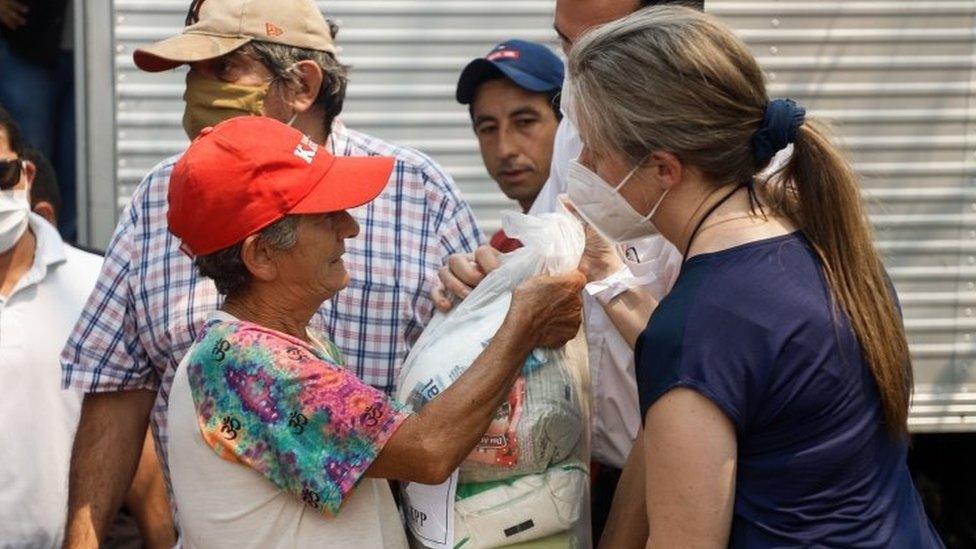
(504, 54)
(273, 30)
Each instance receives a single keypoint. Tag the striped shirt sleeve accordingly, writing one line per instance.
(103, 352)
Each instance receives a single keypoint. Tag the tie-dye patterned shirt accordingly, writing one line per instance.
(288, 410)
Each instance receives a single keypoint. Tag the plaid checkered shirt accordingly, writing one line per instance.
(149, 301)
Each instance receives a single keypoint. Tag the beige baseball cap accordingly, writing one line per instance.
(225, 25)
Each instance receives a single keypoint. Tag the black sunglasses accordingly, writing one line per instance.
(10, 173)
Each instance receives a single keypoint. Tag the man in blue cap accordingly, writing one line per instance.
(513, 98)
(645, 272)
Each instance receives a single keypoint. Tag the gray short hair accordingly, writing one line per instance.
(279, 59)
(226, 268)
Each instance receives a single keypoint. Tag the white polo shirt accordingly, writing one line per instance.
(38, 418)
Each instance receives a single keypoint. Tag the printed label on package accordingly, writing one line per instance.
(429, 512)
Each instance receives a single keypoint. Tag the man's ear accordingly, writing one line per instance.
(259, 259)
(30, 170)
(46, 210)
(665, 168)
(310, 78)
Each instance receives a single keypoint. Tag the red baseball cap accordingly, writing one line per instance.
(245, 173)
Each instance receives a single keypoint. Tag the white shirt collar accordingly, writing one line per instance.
(336, 143)
(48, 251)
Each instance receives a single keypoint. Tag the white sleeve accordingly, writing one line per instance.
(652, 262)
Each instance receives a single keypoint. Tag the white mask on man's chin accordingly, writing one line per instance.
(14, 210)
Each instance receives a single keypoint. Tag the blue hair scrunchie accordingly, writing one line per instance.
(779, 125)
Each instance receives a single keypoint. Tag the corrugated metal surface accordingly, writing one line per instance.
(897, 80)
(896, 77)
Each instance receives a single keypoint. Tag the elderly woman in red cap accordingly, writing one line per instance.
(273, 442)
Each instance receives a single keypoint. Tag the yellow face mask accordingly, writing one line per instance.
(210, 101)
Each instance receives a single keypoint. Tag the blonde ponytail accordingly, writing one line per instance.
(818, 190)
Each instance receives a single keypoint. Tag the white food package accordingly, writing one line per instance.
(540, 435)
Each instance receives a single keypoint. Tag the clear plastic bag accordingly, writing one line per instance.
(527, 481)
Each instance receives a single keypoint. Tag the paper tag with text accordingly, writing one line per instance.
(429, 512)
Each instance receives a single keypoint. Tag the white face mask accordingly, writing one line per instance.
(14, 207)
(603, 207)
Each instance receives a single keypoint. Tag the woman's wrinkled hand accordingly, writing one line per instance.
(550, 308)
(461, 273)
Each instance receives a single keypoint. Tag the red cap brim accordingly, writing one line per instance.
(349, 183)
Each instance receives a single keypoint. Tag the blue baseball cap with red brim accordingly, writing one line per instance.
(533, 67)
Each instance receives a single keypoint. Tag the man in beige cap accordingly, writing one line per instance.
(259, 57)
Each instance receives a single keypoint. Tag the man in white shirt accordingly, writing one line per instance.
(618, 300)
(43, 285)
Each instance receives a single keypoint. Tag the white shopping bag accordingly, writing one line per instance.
(553, 394)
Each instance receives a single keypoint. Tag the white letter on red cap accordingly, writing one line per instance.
(306, 154)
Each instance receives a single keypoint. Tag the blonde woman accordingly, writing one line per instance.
(775, 378)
